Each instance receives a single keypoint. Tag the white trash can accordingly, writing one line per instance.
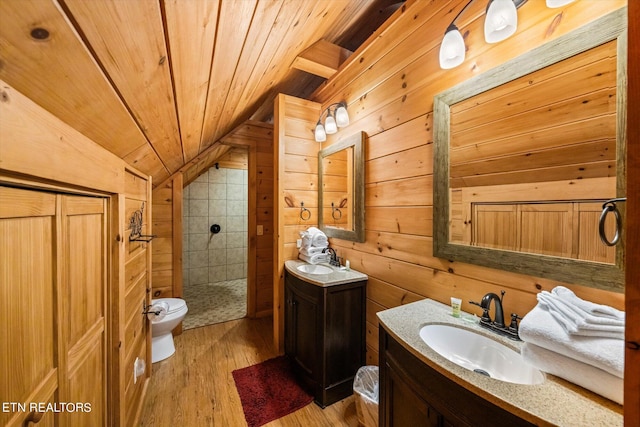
(365, 388)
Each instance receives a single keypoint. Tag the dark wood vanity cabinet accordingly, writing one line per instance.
(414, 394)
(324, 334)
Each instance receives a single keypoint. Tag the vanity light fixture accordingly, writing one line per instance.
(337, 119)
(500, 22)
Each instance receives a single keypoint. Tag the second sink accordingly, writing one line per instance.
(480, 354)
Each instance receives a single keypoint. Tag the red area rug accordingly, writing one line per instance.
(269, 391)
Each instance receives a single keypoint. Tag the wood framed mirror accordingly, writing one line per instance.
(526, 154)
(341, 189)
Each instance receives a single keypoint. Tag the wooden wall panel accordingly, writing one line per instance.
(29, 135)
(389, 88)
(167, 274)
(295, 152)
(136, 332)
(261, 214)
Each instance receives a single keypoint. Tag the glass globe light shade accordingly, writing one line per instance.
(320, 134)
(330, 125)
(501, 20)
(452, 49)
(342, 117)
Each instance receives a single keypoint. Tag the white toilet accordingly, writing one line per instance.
(162, 340)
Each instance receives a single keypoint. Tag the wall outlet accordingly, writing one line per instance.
(299, 243)
(139, 366)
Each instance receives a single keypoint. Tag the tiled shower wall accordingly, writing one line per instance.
(218, 196)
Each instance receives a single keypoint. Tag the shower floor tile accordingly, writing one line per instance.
(218, 302)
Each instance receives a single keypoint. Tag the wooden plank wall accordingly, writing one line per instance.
(389, 85)
(39, 150)
(167, 246)
(137, 283)
(261, 219)
(295, 154)
(249, 146)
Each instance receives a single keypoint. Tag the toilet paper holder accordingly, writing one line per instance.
(148, 309)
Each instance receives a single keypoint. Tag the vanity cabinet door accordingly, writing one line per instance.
(406, 408)
(302, 323)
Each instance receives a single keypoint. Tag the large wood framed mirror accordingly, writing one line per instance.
(341, 189)
(526, 154)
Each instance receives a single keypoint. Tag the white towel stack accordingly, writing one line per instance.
(314, 242)
(580, 317)
(590, 335)
(582, 374)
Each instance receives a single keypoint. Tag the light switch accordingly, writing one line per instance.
(260, 230)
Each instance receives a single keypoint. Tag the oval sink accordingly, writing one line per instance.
(480, 354)
(314, 269)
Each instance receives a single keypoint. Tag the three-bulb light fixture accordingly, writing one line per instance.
(338, 119)
(500, 22)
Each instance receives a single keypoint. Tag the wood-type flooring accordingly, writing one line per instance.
(195, 388)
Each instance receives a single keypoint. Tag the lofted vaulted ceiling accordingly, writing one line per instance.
(157, 82)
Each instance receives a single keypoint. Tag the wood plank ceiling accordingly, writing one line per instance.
(157, 82)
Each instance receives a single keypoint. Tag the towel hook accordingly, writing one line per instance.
(305, 214)
(610, 206)
(135, 225)
(333, 212)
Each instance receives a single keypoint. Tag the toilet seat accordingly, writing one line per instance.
(175, 304)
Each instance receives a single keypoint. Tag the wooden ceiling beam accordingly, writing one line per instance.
(321, 59)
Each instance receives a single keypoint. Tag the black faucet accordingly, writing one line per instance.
(497, 325)
(333, 257)
(486, 303)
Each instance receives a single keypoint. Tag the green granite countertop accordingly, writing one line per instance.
(554, 402)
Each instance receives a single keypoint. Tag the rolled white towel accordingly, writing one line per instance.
(540, 328)
(314, 237)
(582, 374)
(577, 321)
(319, 240)
(314, 230)
(311, 250)
(597, 310)
(314, 259)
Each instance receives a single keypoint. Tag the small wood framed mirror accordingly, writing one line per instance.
(341, 189)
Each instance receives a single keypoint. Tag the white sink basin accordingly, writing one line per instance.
(314, 269)
(480, 354)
